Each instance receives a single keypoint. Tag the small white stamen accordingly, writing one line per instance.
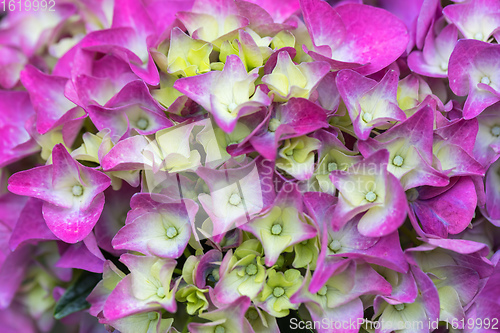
(172, 232)
(232, 106)
(160, 292)
(220, 329)
(479, 36)
(397, 161)
(142, 124)
(485, 80)
(273, 125)
(335, 245)
(77, 190)
(399, 307)
(367, 117)
(495, 130)
(235, 199)
(332, 166)
(322, 291)
(276, 229)
(370, 196)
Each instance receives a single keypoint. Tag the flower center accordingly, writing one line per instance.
(273, 125)
(322, 291)
(251, 269)
(276, 229)
(142, 123)
(495, 130)
(485, 80)
(172, 232)
(367, 117)
(335, 245)
(370, 196)
(232, 106)
(412, 194)
(235, 199)
(332, 166)
(77, 190)
(215, 274)
(444, 66)
(399, 307)
(478, 36)
(397, 161)
(278, 292)
(219, 329)
(152, 316)
(252, 314)
(160, 292)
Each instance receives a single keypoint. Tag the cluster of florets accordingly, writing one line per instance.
(250, 166)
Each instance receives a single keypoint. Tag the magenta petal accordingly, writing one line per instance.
(492, 193)
(15, 142)
(72, 224)
(11, 206)
(12, 61)
(279, 10)
(460, 62)
(47, 94)
(12, 273)
(126, 154)
(14, 319)
(36, 183)
(451, 211)
(79, 256)
(324, 24)
(360, 44)
(197, 87)
(30, 226)
(476, 19)
(471, 63)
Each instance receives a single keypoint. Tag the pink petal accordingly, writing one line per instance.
(30, 226)
(47, 94)
(72, 225)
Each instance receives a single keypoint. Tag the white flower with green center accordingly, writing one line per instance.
(143, 323)
(194, 297)
(246, 47)
(147, 287)
(333, 155)
(275, 297)
(306, 253)
(235, 195)
(186, 56)
(243, 273)
(227, 94)
(226, 319)
(297, 156)
(288, 80)
(163, 233)
(278, 229)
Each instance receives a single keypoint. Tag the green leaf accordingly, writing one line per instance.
(74, 299)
